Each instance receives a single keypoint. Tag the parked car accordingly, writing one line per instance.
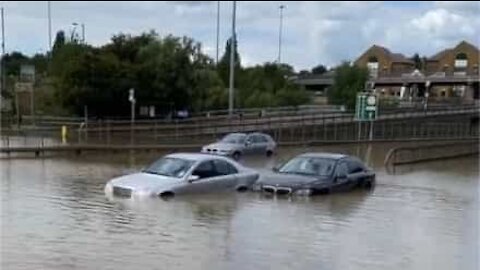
(238, 144)
(184, 173)
(316, 173)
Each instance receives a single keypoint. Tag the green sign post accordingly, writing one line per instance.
(366, 110)
(366, 107)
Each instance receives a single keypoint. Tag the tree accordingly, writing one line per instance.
(320, 69)
(13, 61)
(418, 61)
(348, 81)
(59, 41)
(223, 66)
(268, 85)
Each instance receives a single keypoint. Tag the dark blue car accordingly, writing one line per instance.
(316, 173)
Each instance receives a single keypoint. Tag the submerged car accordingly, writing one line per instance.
(184, 173)
(316, 173)
(236, 145)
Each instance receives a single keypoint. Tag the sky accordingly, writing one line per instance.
(313, 32)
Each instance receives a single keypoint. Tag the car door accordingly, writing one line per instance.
(227, 178)
(262, 143)
(340, 179)
(356, 172)
(210, 179)
(258, 144)
(249, 144)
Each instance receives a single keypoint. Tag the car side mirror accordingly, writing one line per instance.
(192, 178)
(247, 143)
(276, 168)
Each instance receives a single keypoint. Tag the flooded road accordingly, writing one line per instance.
(54, 215)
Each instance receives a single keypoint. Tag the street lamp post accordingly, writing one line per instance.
(49, 26)
(2, 65)
(83, 33)
(232, 62)
(280, 34)
(131, 98)
(218, 30)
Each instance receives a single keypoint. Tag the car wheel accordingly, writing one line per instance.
(242, 189)
(236, 155)
(369, 184)
(166, 195)
(269, 153)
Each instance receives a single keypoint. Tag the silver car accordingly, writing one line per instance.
(238, 144)
(184, 173)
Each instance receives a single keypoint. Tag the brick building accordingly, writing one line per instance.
(451, 75)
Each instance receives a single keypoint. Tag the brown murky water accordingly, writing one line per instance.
(54, 215)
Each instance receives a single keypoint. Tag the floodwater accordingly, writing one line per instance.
(54, 215)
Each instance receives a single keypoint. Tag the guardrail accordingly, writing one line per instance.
(415, 154)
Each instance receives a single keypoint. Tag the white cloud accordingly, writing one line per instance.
(314, 32)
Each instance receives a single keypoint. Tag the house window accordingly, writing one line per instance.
(461, 60)
(372, 66)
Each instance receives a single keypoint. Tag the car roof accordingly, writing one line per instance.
(196, 156)
(237, 133)
(249, 133)
(335, 156)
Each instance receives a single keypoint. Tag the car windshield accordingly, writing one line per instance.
(173, 167)
(309, 166)
(234, 138)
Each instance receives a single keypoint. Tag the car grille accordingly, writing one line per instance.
(277, 190)
(122, 192)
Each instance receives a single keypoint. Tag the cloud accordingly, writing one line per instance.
(313, 33)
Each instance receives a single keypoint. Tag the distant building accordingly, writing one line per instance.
(451, 75)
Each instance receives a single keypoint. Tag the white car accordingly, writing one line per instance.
(184, 173)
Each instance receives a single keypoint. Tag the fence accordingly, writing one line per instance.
(458, 122)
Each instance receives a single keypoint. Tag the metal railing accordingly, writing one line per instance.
(415, 154)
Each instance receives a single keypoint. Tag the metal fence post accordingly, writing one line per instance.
(324, 128)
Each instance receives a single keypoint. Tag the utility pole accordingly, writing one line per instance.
(232, 62)
(49, 26)
(280, 34)
(83, 33)
(218, 30)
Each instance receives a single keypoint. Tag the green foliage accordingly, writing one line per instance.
(12, 63)
(59, 41)
(170, 73)
(268, 85)
(223, 66)
(418, 61)
(348, 81)
(320, 69)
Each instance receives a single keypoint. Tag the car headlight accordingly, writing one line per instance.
(143, 193)
(304, 192)
(108, 188)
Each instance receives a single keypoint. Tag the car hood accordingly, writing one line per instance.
(223, 146)
(143, 181)
(289, 180)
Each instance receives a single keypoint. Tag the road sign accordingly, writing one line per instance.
(366, 107)
(131, 95)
